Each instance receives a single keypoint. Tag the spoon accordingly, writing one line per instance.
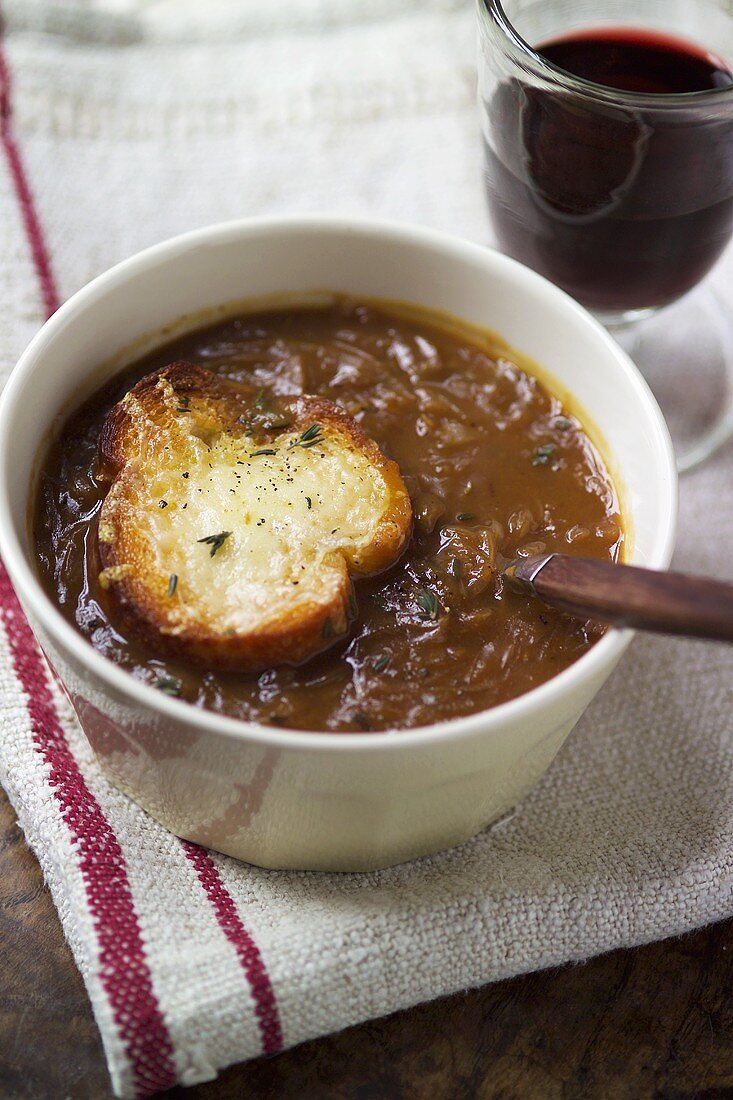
(626, 595)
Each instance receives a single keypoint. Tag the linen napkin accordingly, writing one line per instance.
(122, 122)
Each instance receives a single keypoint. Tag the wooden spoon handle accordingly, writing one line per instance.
(626, 595)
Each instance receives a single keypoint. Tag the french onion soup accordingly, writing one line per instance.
(300, 517)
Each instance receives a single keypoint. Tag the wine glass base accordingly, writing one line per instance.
(685, 353)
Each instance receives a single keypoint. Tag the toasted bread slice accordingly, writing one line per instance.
(228, 537)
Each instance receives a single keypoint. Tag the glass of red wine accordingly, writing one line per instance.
(608, 138)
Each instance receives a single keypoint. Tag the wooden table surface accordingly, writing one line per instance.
(656, 1021)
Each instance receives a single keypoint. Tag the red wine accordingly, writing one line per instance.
(626, 206)
(638, 61)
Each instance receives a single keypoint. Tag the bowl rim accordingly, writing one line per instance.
(145, 696)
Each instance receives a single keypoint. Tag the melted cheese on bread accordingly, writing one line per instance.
(234, 548)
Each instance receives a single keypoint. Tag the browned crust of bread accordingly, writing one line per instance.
(293, 638)
(215, 402)
(141, 600)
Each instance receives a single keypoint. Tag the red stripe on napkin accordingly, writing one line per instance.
(124, 971)
(51, 300)
(123, 968)
(247, 950)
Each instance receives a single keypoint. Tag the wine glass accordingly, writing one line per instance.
(608, 138)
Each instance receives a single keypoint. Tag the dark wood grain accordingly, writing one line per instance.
(626, 595)
(653, 1022)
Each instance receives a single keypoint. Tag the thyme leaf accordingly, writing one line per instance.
(263, 451)
(465, 517)
(215, 541)
(427, 601)
(172, 584)
(381, 662)
(265, 416)
(327, 629)
(168, 685)
(542, 455)
(309, 437)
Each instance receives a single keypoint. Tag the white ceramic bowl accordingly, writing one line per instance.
(281, 798)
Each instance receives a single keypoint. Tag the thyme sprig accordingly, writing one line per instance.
(215, 541)
(309, 437)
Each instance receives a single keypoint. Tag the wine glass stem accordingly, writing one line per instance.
(685, 352)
